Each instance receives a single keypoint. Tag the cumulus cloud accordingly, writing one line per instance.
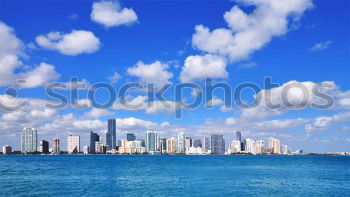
(73, 43)
(249, 32)
(11, 50)
(97, 113)
(197, 67)
(321, 46)
(115, 78)
(155, 73)
(324, 122)
(111, 14)
(214, 102)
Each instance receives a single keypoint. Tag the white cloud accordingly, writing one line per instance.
(40, 76)
(11, 49)
(324, 122)
(74, 43)
(197, 67)
(115, 78)
(214, 102)
(111, 14)
(161, 106)
(321, 46)
(155, 73)
(134, 123)
(250, 32)
(97, 113)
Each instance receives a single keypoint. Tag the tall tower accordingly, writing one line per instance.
(73, 144)
(56, 145)
(94, 137)
(111, 136)
(181, 142)
(217, 144)
(151, 141)
(238, 136)
(29, 140)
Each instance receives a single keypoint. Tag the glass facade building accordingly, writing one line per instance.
(29, 140)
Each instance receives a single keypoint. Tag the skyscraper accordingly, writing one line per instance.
(56, 145)
(111, 140)
(94, 137)
(206, 145)
(44, 146)
(130, 137)
(162, 145)
(151, 141)
(73, 144)
(217, 144)
(181, 142)
(238, 136)
(158, 144)
(274, 146)
(188, 143)
(171, 145)
(6, 150)
(197, 143)
(29, 140)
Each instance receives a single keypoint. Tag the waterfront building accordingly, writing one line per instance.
(111, 137)
(73, 144)
(56, 145)
(162, 145)
(274, 146)
(250, 146)
(235, 146)
(259, 147)
(194, 151)
(44, 146)
(171, 145)
(158, 147)
(206, 145)
(94, 137)
(188, 143)
(6, 150)
(131, 147)
(181, 142)
(217, 144)
(285, 149)
(151, 141)
(239, 136)
(197, 143)
(130, 137)
(29, 140)
(86, 149)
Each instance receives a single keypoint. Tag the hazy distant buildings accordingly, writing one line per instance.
(239, 136)
(44, 146)
(151, 141)
(170, 145)
(56, 145)
(274, 146)
(73, 144)
(235, 146)
(163, 145)
(86, 149)
(29, 140)
(130, 137)
(181, 142)
(259, 147)
(188, 143)
(111, 137)
(197, 143)
(94, 137)
(6, 150)
(206, 145)
(217, 144)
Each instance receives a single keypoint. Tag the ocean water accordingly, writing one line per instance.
(174, 176)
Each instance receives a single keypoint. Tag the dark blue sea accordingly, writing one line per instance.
(174, 176)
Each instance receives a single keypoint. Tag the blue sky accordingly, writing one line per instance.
(138, 37)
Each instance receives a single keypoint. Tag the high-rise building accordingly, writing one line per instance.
(111, 140)
(206, 145)
(197, 143)
(235, 146)
(56, 145)
(151, 141)
(239, 136)
(6, 150)
(158, 147)
(188, 143)
(73, 144)
(29, 140)
(274, 146)
(259, 146)
(217, 144)
(94, 137)
(181, 142)
(162, 145)
(130, 137)
(171, 145)
(285, 150)
(86, 149)
(44, 146)
(250, 146)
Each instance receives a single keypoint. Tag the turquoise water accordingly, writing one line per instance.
(174, 176)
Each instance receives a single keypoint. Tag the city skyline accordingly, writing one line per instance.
(301, 43)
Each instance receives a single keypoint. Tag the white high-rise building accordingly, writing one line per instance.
(259, 146)
(73, 144)
(235, 146)
(250, 146)
(151, 141)
(181, 142)
(171, 145)
(274, 146)
(29, 140)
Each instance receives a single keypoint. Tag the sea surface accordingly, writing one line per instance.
(116, 175)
